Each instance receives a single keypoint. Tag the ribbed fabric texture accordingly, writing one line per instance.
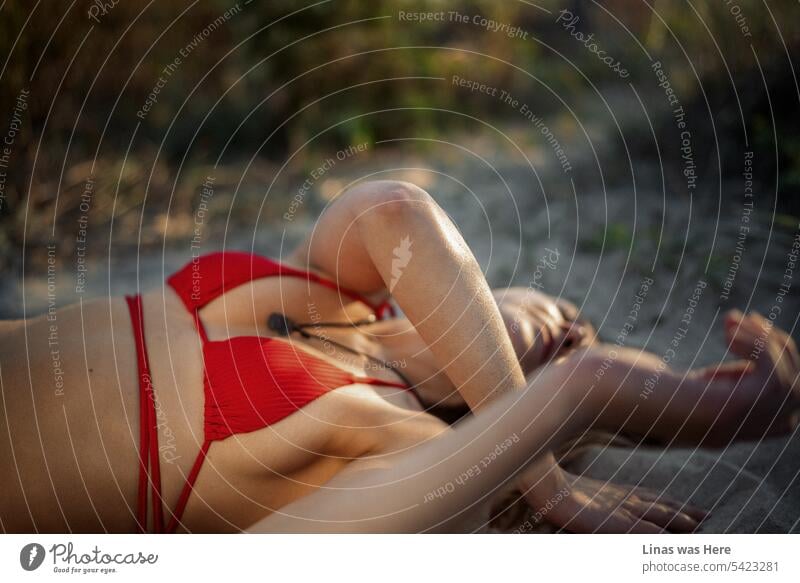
(253, 382)
(207, 277)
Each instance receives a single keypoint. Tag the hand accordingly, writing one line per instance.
(776, 361)
(760, 395)
(541, 328)
(585, 505)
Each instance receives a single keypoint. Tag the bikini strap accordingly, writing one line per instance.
(188, 486)
(198, 324)
(149, 466)
(384, 307)
(149, 463)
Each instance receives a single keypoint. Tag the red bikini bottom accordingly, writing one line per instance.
(149, 467)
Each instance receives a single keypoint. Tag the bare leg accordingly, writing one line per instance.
(392, 236)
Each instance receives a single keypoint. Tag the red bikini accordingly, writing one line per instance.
(250, 382)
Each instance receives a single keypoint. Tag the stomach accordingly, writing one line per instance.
(68, 425)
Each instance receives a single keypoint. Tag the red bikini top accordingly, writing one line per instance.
(252, 382)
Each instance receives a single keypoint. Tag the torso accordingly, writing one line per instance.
(72, 460)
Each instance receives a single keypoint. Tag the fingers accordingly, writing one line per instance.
(746, 327)
(730, 370)
(773, 354)
(612, 508)
(651, 496)
(740, 333)
(626, 522)
(784, 425)
(620, 521)
(791, 348)
(794, 421)
(754, 337)
(698, 514)
(644, 527)
(568, 309)
(665, 516)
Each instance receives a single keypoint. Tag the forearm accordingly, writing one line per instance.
(646, 396)
(398, 492)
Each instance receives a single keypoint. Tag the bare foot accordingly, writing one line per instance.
(760, 395)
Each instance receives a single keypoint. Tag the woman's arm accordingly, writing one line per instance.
(743, 399)
(672, 408)
(392, 235)
(434, 485)
(749, 398)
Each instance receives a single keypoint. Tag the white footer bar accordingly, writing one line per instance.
(404, 559)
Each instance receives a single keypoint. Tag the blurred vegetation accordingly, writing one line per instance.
(278, 74)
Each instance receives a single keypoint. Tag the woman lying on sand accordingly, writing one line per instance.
(252, 394)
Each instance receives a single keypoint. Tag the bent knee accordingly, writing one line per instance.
(392, 199)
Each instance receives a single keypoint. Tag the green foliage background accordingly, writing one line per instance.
(278, 74)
